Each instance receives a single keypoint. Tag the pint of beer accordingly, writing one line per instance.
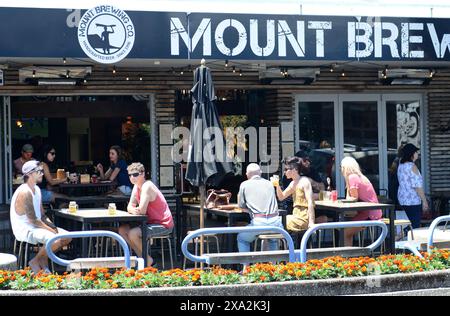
(275, 179)
(60, 174)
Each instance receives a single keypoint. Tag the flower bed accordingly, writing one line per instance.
(333, 267)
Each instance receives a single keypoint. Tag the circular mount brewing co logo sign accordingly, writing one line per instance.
(106, 34)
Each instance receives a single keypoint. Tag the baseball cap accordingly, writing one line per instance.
(30, 166)
(27, 148)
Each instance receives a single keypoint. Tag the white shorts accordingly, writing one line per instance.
(40, 235)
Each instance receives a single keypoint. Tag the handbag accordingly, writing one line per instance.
(215, 198)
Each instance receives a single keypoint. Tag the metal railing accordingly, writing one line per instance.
(231, 230)
(294, 255)
(83, 234)
(333, 225)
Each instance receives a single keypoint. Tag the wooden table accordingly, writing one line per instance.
(339, 208)
(87, 217)
(233, 216)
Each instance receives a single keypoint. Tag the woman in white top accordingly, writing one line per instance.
(410, 191)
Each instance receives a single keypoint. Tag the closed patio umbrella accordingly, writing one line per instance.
(206, 164)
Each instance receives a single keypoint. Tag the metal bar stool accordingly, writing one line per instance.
(24, 252)
(161, 239)
(319, 237)
(196, 242)
(399, 222)
(264, 238)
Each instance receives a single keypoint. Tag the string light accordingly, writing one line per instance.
(140, 78)
(240, 72)
(234, 69)
(34, 73)
(226, 63)
(432, 73)
(67, 73)
(64, 60)
(114, 70)
(385, 72)
(343, 73)
(127, 78)
(332, 67)
(181, 72)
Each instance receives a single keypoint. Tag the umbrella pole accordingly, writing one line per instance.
(202, 220)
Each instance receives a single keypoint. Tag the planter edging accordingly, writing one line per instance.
(325, 287)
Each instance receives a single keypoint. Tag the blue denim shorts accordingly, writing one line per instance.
(154, 230)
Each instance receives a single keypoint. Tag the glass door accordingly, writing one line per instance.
(360, 137)
(403, 125)
(367, 127)
(316, 134)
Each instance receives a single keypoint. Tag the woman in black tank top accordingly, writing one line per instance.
(47, 157)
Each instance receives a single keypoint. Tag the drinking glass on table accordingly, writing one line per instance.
(73, 207)
(112, 209)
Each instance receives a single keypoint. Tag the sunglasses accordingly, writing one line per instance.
(52, 153)
(38, 171)
(286, 169)
(134, 175)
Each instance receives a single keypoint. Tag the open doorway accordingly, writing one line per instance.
(82, 128)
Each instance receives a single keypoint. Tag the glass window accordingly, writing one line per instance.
(361, 137)
(316, 129)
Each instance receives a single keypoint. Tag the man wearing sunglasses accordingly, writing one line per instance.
(146, 199)
(28, 220)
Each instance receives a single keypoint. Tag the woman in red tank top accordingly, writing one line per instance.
(146, 199)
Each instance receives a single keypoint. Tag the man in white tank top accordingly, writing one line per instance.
(28, 220)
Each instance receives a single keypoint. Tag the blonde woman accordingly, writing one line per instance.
(300, 188)
(358, 188)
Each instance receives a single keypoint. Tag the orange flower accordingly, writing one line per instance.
(115, 286)
(262, 278)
